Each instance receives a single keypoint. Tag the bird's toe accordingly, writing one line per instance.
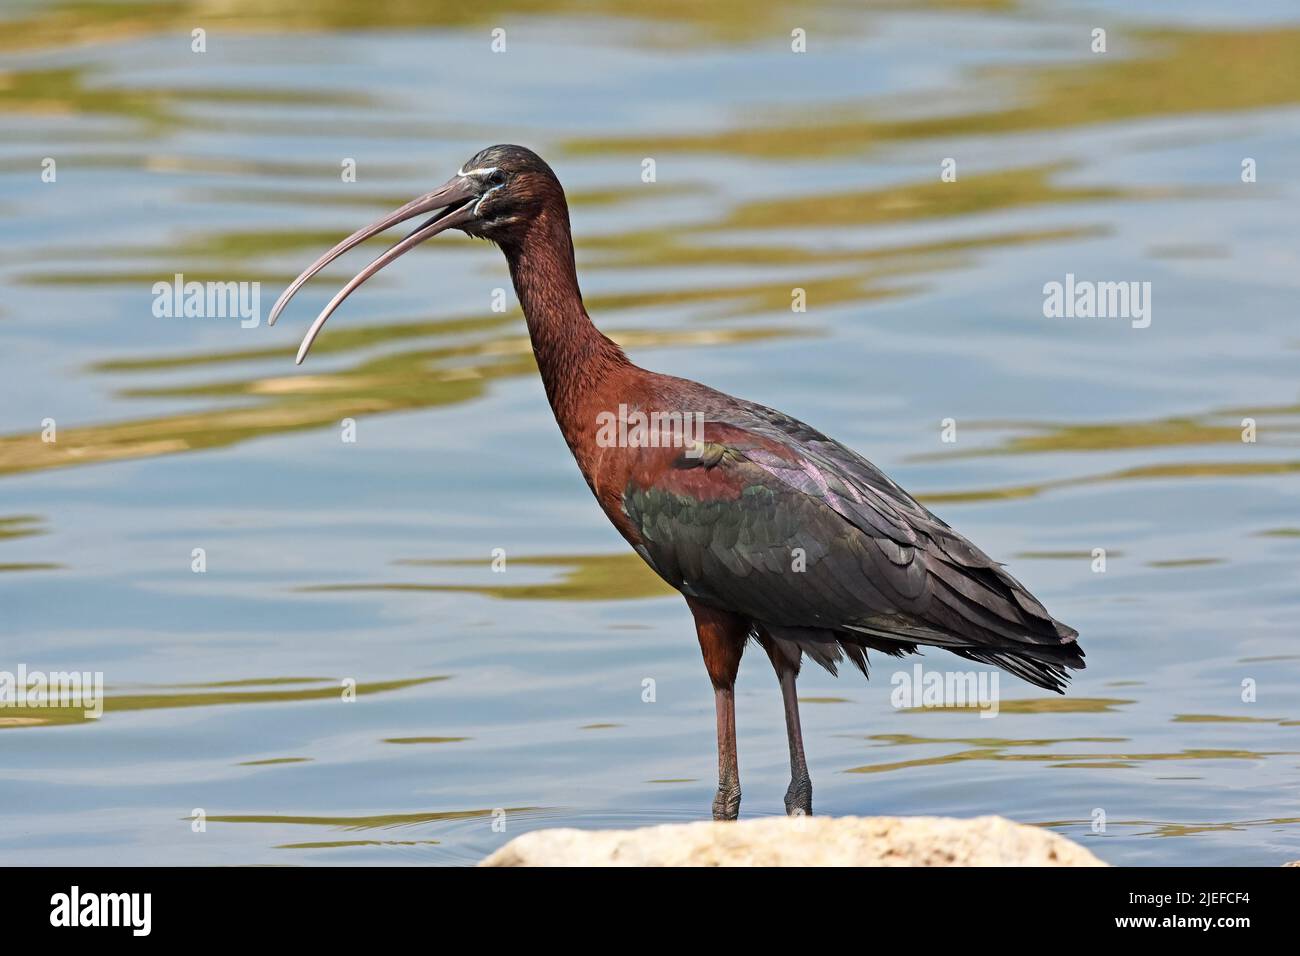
(726, 805)
(798, 799)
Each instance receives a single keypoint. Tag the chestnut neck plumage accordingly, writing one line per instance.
(574, 358)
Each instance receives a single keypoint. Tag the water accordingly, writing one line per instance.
(522, 692)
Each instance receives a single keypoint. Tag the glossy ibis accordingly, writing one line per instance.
(770, 530)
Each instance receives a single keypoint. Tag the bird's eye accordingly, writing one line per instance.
(496, 177)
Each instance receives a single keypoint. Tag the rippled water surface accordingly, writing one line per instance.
(369, 561)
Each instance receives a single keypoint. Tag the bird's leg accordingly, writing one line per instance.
(798, 798)
(726, 804)
(722, 640)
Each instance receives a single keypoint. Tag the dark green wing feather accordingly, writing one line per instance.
(813, 543)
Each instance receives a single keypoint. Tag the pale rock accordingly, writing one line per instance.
(802, 841)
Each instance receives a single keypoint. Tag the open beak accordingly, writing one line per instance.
(456, 200)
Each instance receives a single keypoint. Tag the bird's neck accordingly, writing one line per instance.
(574, 358)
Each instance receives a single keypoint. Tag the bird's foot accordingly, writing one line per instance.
(798, 799)
(726, 805)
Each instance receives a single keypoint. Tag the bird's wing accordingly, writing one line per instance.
(780, 523)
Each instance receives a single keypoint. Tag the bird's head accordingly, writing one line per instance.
(514, 185)
(494, 196)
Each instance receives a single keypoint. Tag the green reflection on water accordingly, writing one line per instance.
(27, 716)
(374, 822)
(586, 577)
(24, 526)
(1166, 829)
(20, 526)
(912, 202)
(1062, 555)
(657, 248)
(1203, 469)
(911, 740)
(1221, 719)
(1178, 73)
(425, 740)
(667, 22)
(1037, 705)
(341, 844)
(66, 22)
(77, 90)
(248, 682)
(1215, 427)
(1074, 760)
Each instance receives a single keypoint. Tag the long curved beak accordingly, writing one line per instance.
(455, 199)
